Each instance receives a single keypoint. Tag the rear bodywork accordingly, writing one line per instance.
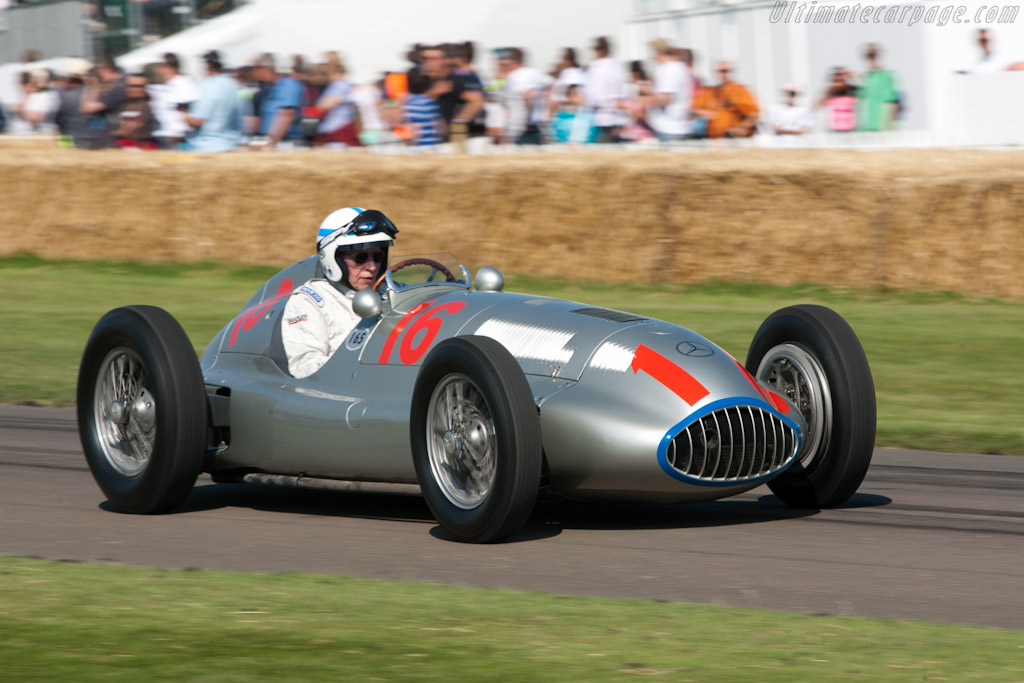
(630, 408)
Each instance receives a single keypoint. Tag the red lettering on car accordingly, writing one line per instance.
(412, 349)
(253, 315)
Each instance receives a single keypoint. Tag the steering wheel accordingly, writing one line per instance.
(418, 261)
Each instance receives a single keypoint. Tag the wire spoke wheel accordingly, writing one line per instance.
(125, 412)
(461, 448)
(475, 437)
(810, 355)
(793, 371)
(142, 409)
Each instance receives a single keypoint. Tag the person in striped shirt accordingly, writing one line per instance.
(422, 112)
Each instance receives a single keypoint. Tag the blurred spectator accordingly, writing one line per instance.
(462, 107)
(671, 94)
(729, 109)
(69, 118)
(431, 61)
(567, 73)
(840, 99)
(259, 90)
(38, 107)
(572, 122)
(247, 101)
(372, 128)
(687, 57)
(457, 90)
(314, 80)
(604, 88)
(170, 100)
(635, 102)
(339, 125)
(102, 98)
(135, 129)
(526, 96)
(422, 112)
(279, 111)
(217, 114)
(877, 99)
(787, 117)
(395, 92)
(991, 62)
(495, 116)
(462, 56)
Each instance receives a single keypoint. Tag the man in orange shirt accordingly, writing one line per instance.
(729, 108)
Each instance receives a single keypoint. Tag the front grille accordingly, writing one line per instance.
(733, 444)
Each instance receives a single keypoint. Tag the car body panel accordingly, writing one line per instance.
(613, 390)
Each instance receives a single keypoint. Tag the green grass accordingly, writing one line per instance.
(947, 369)
(76, 622)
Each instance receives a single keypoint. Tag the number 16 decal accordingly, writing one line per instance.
(414, 345)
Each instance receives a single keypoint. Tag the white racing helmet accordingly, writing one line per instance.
(351, 229)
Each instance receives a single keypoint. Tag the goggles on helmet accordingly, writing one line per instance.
(370, 222)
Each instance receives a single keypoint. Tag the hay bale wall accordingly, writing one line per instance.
(931, 220)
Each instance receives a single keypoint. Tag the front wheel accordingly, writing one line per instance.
(810, 355)
(475, 439)
(142, 409)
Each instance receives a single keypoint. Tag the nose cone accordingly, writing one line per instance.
(664, 412)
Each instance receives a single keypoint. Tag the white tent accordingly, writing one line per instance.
(374, 37)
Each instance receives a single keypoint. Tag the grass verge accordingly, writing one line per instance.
(944, 365)
(80, 622)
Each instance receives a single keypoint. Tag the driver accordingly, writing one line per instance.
(352, 245)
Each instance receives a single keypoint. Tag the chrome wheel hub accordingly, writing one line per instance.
(125, 412)
(451, 443)
(461, 441)
(795, 373)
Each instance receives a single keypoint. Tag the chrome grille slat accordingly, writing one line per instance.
(728, 463)
(764, 442)
(733, 444)
(689, 439)
(775, 444)
(717, 435)
(754, 455)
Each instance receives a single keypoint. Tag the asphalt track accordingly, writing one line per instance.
(931, 536)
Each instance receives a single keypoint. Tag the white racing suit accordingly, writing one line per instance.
(316, 321)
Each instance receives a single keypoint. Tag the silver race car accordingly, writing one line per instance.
(480, 398)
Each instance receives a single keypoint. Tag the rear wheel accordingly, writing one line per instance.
(142, 409)
(810, 355)
(476, 439)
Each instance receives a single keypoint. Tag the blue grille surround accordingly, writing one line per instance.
(730, 442)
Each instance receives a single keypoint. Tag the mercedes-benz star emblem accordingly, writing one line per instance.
(695, 349)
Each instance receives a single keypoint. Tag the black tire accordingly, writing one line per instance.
(476, 499)
(812, 346)
(142, 412)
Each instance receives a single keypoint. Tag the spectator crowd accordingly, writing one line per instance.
(441, 97)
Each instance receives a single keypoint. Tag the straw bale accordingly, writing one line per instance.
(916, 220)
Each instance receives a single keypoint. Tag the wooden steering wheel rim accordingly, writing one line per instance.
(418, 261)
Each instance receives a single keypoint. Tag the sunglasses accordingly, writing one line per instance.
(364, 256)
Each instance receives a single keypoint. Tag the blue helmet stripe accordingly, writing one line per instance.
(323, 232)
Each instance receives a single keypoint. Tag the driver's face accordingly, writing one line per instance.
(363, 267)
